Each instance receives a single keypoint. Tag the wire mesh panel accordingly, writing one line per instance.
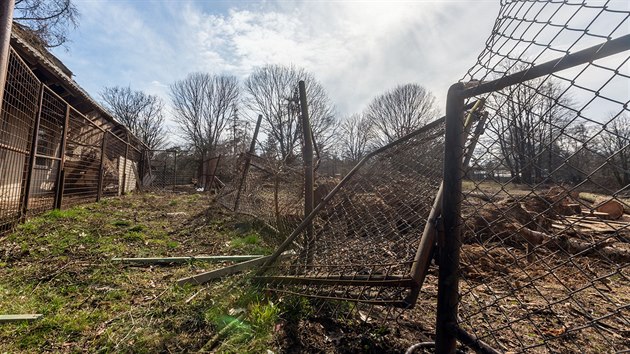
(268, 189)
(47, 153)
(82, 164)
(161, 172)
(545, 204)
(366, 232)
(132, 174)
(114, 165)
(19, 108)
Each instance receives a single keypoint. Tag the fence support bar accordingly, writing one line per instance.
(425, 249)
(101, 170)
(583, 56)
(248, 157)
(31, 161)
(61, 172)
(449, 242)
(307, 157)
(6, 20)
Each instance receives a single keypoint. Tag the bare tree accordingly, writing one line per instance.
(47, 20)
(356, 137)
(203, 106)
(141, 113)
(401, 111)
(531, 117)
(271, 91)
(615, 143)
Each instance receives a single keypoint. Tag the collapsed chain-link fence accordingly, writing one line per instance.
(543, 201)
(544, 265)
(270, 190)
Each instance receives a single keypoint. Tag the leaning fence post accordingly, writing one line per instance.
(307, 156)
(61, 171)
(449, 242)
(248, 156)
(214, 172)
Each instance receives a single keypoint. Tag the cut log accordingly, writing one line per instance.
(611, 207)
(601, 250)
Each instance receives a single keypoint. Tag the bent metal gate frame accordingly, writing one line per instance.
(548, 104)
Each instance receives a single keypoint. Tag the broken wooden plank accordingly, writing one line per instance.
(599, 214)
(162, 260)
(222, 272)
(20, 318)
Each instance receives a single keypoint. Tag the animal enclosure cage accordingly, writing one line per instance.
(173, 170)
(53, 156)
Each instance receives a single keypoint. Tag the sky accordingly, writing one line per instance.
(356, 49)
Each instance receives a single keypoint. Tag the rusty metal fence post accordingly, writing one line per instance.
(248, 157)
(61, 173)
(174, 170)
(6, 20)
(307, 156)
(101, 171)
(31, 160)
(449, 242)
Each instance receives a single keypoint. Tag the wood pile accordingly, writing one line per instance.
(554, 220)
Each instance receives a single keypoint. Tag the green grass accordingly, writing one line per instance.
(58, 264)
(250, 244)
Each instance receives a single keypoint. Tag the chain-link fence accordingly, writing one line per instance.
(180, 171)
(53, 156)
(544, 260)
(530, 231)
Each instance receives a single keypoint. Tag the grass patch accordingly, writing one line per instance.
(58, 264)
(121, 223)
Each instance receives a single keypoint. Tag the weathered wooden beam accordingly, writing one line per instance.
(20, 318)
(161, 260)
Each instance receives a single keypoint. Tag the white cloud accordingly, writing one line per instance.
(356, 49)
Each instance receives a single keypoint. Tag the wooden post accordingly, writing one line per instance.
(307, 157)
(248, 156)
(61, 172)
(101, 170)
(6, 20)
(31, 161)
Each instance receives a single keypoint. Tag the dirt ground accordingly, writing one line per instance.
(59, 265)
